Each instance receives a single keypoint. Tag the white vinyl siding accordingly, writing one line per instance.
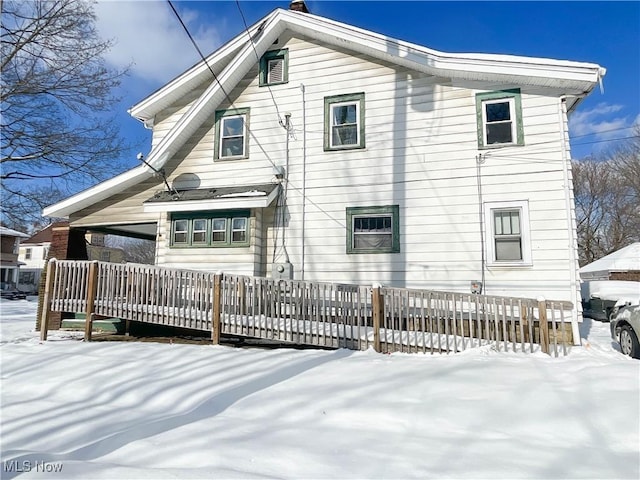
(421, 143)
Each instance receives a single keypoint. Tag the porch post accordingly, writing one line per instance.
(46, 299)
(544, 325)
(92, 288)
(217, 309)
(377, 305)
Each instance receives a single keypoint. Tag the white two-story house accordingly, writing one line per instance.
(311, 149)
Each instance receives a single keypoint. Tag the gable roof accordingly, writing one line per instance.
(43, 236)
(234, 60)
(623, 260)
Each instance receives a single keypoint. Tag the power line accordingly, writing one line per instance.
(246, 28)
(603, 131)
(192, 40)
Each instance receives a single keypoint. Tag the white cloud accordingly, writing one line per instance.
(599, 128)
(593, 121)
(149, 36)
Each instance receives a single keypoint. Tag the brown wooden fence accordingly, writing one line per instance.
(306, 313)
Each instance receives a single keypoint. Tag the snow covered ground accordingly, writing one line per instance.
(130, 410)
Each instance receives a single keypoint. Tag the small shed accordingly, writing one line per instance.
(623, 264)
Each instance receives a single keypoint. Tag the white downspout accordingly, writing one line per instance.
(304, 176)
(571, 218)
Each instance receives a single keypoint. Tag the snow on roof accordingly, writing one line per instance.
(625, 259)
(7, 232)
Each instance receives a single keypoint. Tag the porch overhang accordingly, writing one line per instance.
(222, 198)
(143, 231)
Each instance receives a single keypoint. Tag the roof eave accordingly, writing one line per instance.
(471, 66)
(96, 193)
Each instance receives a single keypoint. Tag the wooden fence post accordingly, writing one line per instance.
(46, 301)
(242, 304)
(92, 288)
(544, 325)
(377, 304)
(217, 309)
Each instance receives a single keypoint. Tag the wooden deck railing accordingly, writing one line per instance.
(309, 313)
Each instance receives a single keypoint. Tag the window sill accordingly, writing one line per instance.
(237, 157)
(340, 149)
(499, 145)
(227, 245)
(502, 265)
(272, 84)
(370, 252)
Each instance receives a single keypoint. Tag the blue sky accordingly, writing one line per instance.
(147, 35)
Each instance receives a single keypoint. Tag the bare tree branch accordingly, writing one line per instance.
(57, 99)
(607, 199)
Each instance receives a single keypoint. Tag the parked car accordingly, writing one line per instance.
(13, 294)
(599, 297)
(625, 328)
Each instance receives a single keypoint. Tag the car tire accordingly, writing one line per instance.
(629, 342)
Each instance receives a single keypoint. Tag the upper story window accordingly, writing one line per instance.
(274, 67)
(507, 227)
(27, 254)
(373, 229)
(344, 122)
(499, 117)
(210, 229)
(232, 128)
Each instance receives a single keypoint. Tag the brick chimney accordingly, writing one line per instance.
(298, 6)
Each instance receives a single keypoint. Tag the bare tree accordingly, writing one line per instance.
(607, 196)
(135, 250)
(57, 134)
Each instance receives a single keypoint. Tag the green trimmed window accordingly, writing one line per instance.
(232, 134)
(210, 229)
(274, 67)
(373, 229)
(499, 117)
(344, 122)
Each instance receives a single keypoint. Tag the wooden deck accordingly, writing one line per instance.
(306, 313)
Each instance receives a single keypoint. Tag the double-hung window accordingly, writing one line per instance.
(232, 128)
(274, 67)
(27, 254)
(344, 122)
(499, 118)
(508, 239)
(210, 229)
(373, 229)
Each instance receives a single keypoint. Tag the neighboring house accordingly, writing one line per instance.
(33, 254)
(34, 250)
(322, 151)
(623, 264)
(9, 264)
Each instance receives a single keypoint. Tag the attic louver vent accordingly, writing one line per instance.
(275, 70)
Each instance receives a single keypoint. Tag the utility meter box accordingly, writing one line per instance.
(282, 271)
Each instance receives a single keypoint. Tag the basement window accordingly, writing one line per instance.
(373, 229)
(344, 122)
(499, 119)
(210, 229)
(274, 68)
